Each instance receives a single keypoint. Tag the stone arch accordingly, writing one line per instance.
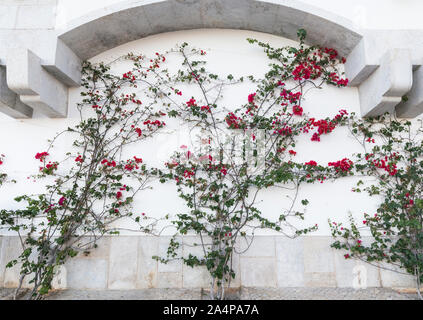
(131, 20)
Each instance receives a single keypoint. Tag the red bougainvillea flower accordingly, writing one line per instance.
(138, 130)
(251, 97)
(188, 174)
(324, 126)
(391, 168)
(223, 171)
(233, 121)
(137, 160)
(342, 165)
(191, 103)
(118, 195)
(342, 82)
(311, 163)
(49, 168)
(333, 77)
(129, 167)
(51, 165)
(157, 123)
(346, 256)
(297, 110)
(79, 159)
(62, 201)
(108, 163)
(206, 108)
(302, 71)
(41, 156)
(331, 52)
(129, 76)
(289, 96)
(292, 152)
(315, 137)
(285, 131)
(49, 208)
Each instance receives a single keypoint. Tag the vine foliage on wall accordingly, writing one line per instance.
(237, 153)
(241, 152)
(93, 186)
(393, 157)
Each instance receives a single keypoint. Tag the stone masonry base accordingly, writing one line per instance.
(124, 263)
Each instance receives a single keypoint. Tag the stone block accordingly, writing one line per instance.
(319, 279)
(290, 261)
(174, 265)
(197, 277)
(60, 278)
(258, 272)
(169, 280)
(318, 256)
(101, 252)
(147, 267)
(259, 246)
(392, 279)
(123, 262)
(11, 249)
(354, 273)
(87, 273)
(192, 245)
(236, 282)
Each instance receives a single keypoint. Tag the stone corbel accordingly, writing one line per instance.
(413, 104)
(10, 103)
(359, 66)
(382, 91)
(65, 65)
(36, 87)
